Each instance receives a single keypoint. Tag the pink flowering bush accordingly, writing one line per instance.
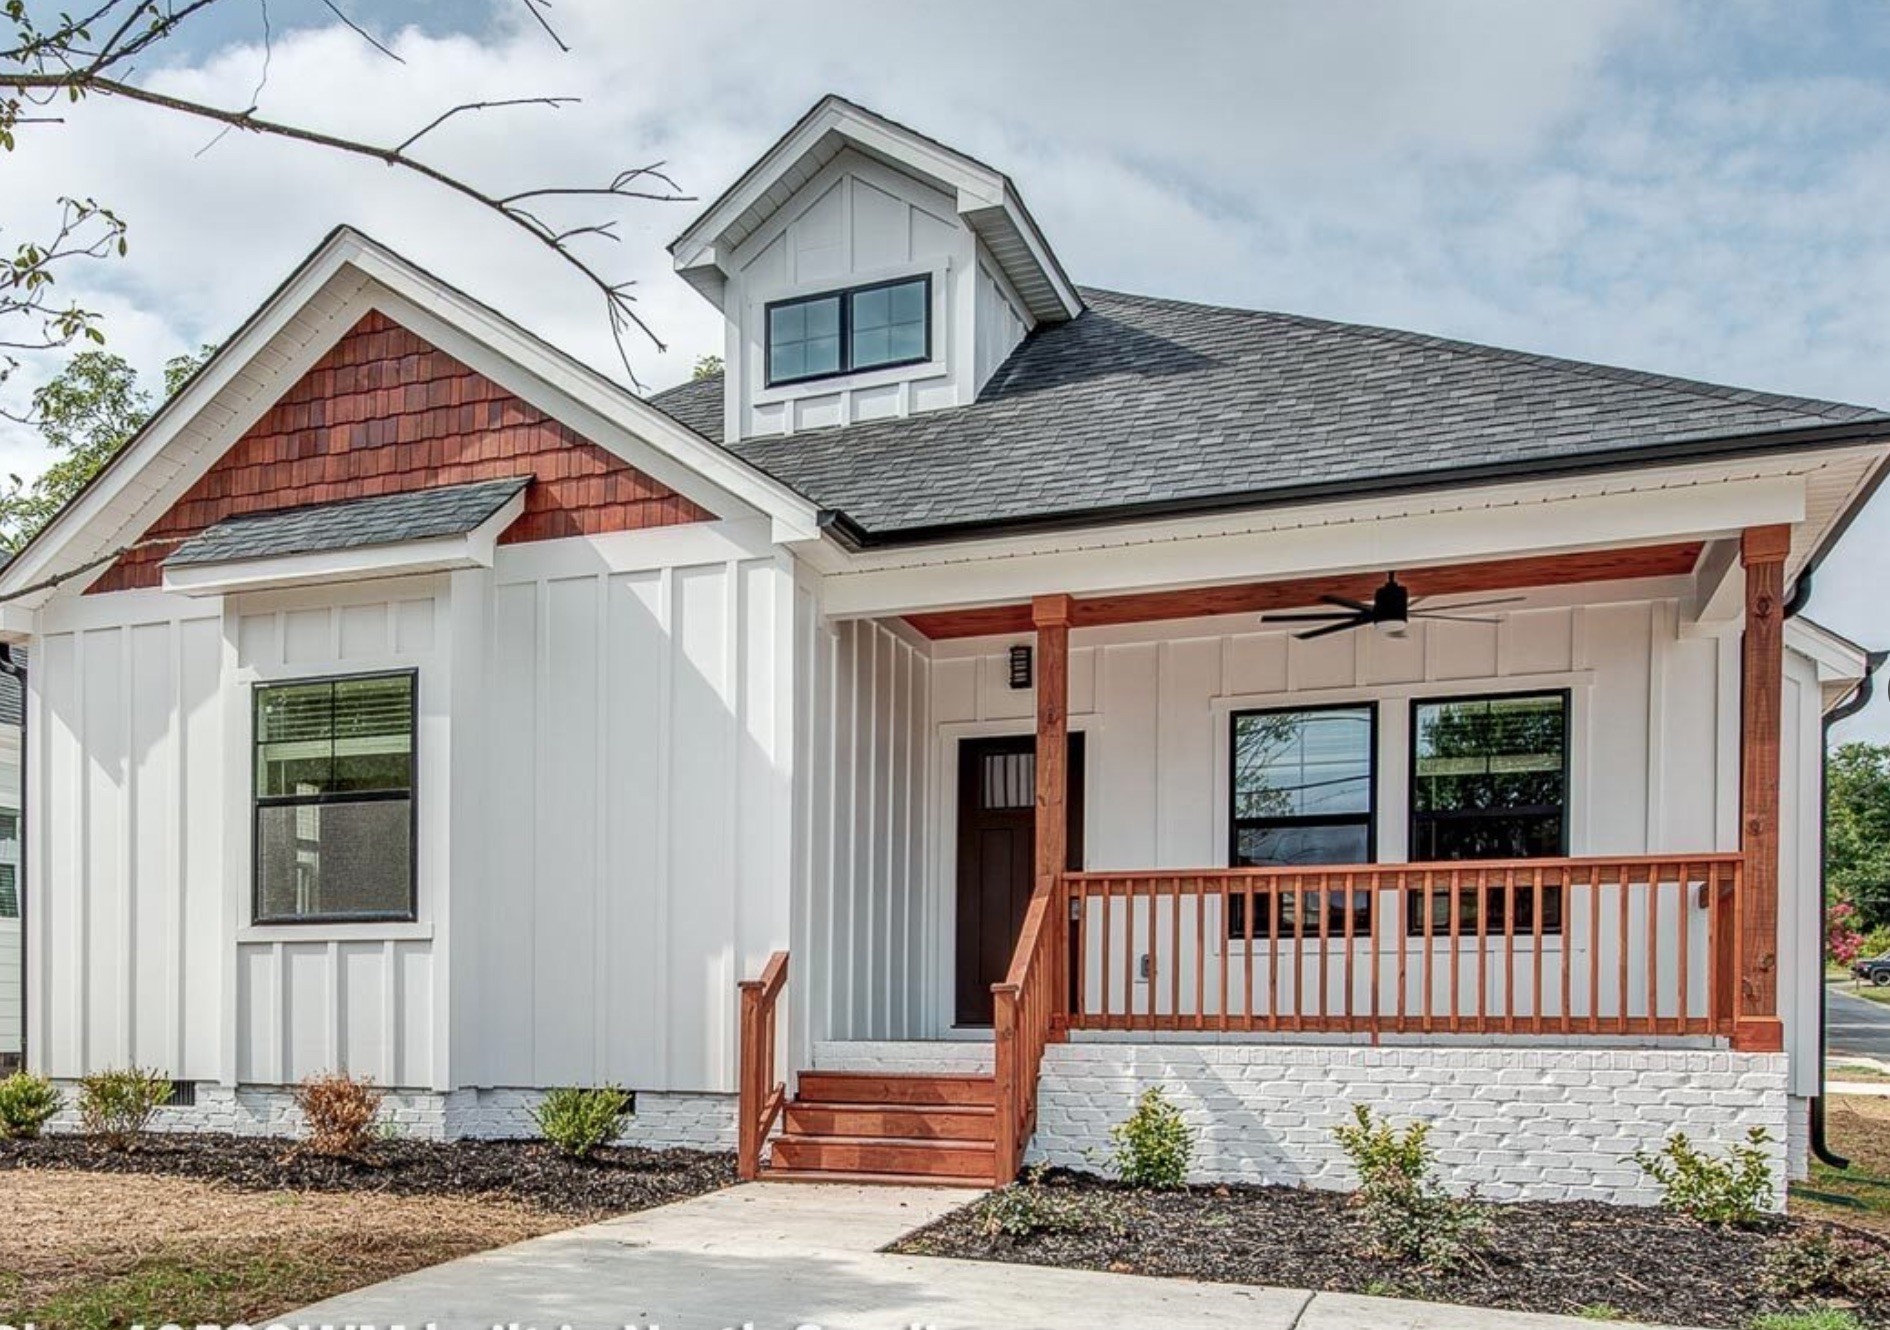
(1843, 943)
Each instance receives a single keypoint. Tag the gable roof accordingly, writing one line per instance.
(985, 198)
(386, 519)
(1143, 406)
(347, 275)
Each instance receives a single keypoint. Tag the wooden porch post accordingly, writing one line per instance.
(1757, 1027)
(1051, 616)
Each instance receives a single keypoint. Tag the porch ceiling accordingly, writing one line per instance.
(1256, 597)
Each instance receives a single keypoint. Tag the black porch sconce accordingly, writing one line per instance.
(1020, 666)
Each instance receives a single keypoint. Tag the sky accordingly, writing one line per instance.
(1693, 188)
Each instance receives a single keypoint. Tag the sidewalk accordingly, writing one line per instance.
(786, 1255)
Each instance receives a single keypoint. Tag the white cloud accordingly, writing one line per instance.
(1660, 186)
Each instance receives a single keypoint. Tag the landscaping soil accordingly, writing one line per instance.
(616, 1180)
(1642, 1264)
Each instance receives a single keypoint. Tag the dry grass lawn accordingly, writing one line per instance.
(80, 1251)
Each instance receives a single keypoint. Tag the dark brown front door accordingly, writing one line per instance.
(997, 819)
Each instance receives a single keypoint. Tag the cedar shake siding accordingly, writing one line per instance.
(385, 413)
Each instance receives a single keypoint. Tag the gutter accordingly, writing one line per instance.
(17, 671)
(1856, 702)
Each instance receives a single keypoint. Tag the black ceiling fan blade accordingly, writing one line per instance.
(1475, 604)
(1356, 606)
(1305, 618)
(1452, 618)
(1345, 627)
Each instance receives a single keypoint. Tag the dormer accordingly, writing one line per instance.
(866, 271)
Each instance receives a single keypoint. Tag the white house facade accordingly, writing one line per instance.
(987, 699)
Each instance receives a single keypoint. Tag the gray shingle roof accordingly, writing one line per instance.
(386, 519)
(1146, 403)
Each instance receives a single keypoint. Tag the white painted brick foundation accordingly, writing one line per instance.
(1516, 1123)
(663, 1119)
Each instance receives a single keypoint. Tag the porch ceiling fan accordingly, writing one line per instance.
(1390, 612)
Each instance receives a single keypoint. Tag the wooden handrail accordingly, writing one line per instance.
(1618, 945)
(760, 1095)
(1022, 1009)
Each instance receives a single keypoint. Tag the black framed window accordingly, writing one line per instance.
(1489, 780)
(334, 799)
(844, 332)
(1304, 792)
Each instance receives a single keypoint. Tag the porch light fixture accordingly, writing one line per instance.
(1020, 666)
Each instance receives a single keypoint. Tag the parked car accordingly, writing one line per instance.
(1874, 968)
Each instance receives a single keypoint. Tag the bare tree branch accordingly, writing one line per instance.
(64, 62)
(363, 33)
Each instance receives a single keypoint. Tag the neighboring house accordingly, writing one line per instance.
(451, 716)
(11, 977)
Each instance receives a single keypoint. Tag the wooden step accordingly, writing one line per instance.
(859, 1087)
(945, 1122)
(771, 1173)
(970, 1160)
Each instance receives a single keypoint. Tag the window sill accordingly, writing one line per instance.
(384, 931)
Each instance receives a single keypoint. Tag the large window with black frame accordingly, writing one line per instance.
(334, 799)
(1303, 793)
(1489, 780)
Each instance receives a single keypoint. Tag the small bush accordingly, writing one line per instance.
(340, 1114)
(578, 1121)
(27, 1103)
(1819, 1263)
(1721, 1192)
(1411, 1216)
(116, 1106)
(1028, 1208)
(1154, 1146)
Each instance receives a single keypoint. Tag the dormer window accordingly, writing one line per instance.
(845, 332)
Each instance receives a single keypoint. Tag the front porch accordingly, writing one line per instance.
(1662, 934)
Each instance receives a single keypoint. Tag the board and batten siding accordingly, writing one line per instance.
(861, 958)
(603, 791)
(633, 837)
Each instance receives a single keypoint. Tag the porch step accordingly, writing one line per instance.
(770, 1173)
(930, 1158)
(859, 1126)
(867, 1088)
(954, 1122)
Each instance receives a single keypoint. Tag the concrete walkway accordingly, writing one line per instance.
(780, 1256)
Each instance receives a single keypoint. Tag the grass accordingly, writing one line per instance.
(1851, 1071)
(1859, 1129)
(1599, 1311)
(1824, 1318)
(89, 1251)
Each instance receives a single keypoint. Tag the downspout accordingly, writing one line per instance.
(1856, 702)
(17, 671)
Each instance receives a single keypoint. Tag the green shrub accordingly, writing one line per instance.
(1153, 1147)
(116, 1106)
(1821, 1263)
(578, 1121)
(1410, 1215)
(1028, 1208)
(1722, 1192)
(27, 1103)
(1819, 1318)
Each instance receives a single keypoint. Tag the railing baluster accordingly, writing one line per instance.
(1324, 897)
(1621, 1017)
(1483, 950)
(1226, 941)
(1653, 949)
(1429, 900)
(1200, 954)
(1567, 912)
(1247, 922)
(1535, 992)
(1452, 1011)
(1509, 949)
(1154, 951)
(1347, 970)
(1273, 952)
(1400, 933)
(1594, 949)
(1299, 951)
(1685, 936)
(1174, 948)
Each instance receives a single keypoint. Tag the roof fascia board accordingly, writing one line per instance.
(1356, 542)
(1838, 660)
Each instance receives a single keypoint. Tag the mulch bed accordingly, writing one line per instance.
(615, 1181)
(1644, 1264)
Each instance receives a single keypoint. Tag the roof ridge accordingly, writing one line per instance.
(1784, 403)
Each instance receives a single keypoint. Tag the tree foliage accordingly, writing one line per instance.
(85, 413)
(1857, 830)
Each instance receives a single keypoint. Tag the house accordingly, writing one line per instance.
(12, 991)
(988, 699)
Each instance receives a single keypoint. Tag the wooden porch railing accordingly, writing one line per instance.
(1023, 1007)
(1595, 946)
(761, 1095)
